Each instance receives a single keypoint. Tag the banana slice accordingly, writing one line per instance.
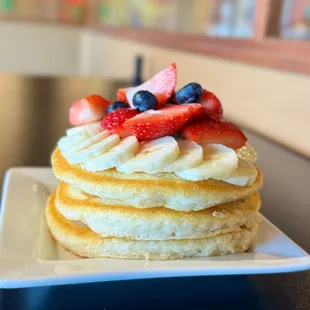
(219, 161)
(247, 153)
(92, 129)
(68, 141)
(94, 150)
(85, 143)
(190, 155)
(117, 155)
(245, 174)
(153, 155)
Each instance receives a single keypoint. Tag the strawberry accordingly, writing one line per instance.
(172, 99)
(88, 110)
(210, 131)
(212, 105)
(198, 112)
(121, 94)
(115, 120)
(161, 85)
(163, 122)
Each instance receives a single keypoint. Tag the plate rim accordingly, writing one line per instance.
(284, 265)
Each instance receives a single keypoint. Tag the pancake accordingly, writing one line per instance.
(84, 242)
(104, 218)
(142, 190)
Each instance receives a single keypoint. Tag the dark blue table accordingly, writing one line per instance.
(286, 202)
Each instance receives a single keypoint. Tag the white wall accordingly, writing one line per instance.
(108, 58)
(39, 49)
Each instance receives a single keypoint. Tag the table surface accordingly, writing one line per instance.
(285, 196)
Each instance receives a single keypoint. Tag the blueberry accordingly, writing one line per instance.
(116, 105)
(189, 93)
(144, 100)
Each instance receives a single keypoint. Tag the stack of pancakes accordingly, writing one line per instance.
(145, 216)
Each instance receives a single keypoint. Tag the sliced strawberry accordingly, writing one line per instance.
(172, 99)
(88, 110)
(212, 105)
(198, 112)
(121, 94)
(115, 120)
(154, 124)
(161, 85)
(209, 131)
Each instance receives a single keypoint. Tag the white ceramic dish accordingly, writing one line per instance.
(29, 257)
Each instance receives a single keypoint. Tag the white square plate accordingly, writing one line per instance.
(29, 257)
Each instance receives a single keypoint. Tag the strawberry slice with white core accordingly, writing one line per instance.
(154, 124)
(161, 85)
(88, 110)
(121, 94)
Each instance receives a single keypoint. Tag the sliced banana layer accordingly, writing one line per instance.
(247, 153)
(68, 141)
(153, 155)
(244, 175)
(190, 155)
(97, 150)
(71, 152)
(117, 155)
(94, 150)
(92, 129)
(219, 162)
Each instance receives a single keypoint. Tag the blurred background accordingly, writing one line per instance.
(254, 54)
(220, 18)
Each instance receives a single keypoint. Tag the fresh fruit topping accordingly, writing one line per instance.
(121, 94)
(144, 100)
(75, 147)
(154, 124)
(88, 110)
(172, 100)
(115, 120)
(245, 175)
(116, 105)
(247, 153)
(92, 129)
(68, 141)
(161, 85)
(126, 149)
(212, 105)
(153, 156)
(94, 150)
(209, 131)
(189, 93)
(190, 155)
(198, 112)
(219, 161)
